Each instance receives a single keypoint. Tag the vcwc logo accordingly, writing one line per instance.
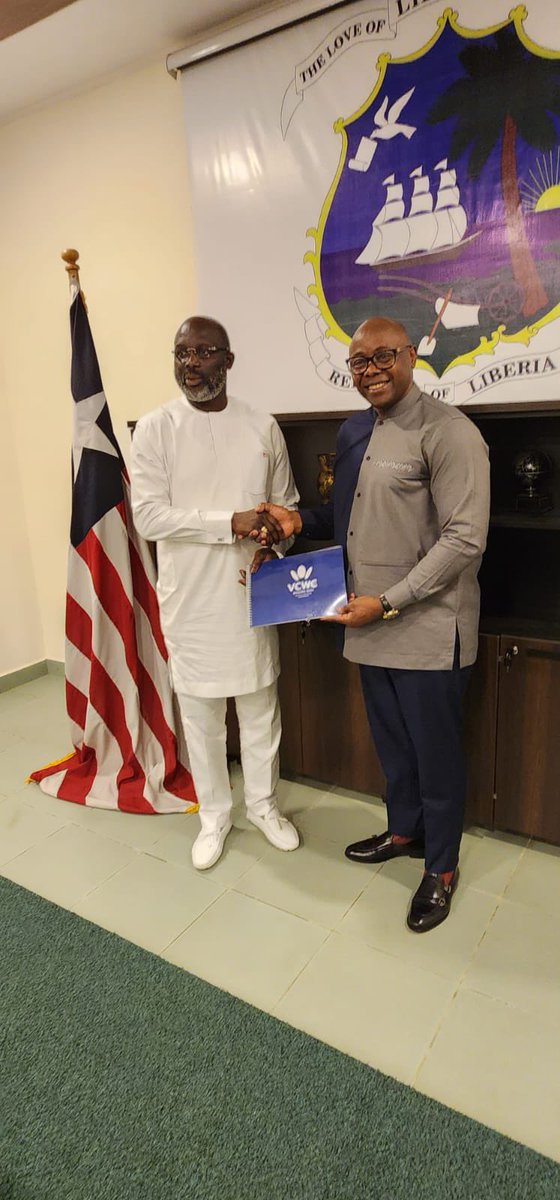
(444, 212)
(302, 583)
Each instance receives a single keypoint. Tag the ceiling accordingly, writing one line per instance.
(18, 14)
(53, 48)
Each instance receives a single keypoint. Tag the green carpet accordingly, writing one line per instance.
(124, 1078)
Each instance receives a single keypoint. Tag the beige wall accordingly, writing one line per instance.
(21, 629)
(104, 172)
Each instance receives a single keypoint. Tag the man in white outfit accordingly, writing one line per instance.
(200, 466)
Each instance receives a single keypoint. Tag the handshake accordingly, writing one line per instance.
(267, 524)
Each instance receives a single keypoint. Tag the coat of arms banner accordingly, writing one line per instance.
(401, 159)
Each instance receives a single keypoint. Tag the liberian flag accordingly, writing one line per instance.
(118, 695)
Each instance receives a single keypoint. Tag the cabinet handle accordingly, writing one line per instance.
(509, 656)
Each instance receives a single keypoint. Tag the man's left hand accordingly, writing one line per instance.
(260, 556)
(360, 610)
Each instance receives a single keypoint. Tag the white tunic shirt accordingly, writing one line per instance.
(191, 471)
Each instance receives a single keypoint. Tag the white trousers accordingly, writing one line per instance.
(204, 723)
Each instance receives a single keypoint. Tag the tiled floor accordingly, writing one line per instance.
(468, 1014)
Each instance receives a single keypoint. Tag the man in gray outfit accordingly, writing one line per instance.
(411, 503)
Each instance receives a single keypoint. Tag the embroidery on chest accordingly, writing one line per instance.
(391, 464)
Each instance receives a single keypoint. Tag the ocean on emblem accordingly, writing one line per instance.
(445, 210)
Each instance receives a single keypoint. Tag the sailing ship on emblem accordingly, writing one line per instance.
(430, 227)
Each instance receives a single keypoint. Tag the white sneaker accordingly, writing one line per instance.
(208, 847)
(277, 829)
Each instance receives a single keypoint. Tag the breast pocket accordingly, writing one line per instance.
(406, 481)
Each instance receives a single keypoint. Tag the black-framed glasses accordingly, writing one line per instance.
(384, 358)
(202, 353)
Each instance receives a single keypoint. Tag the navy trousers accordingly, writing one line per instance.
(416, 720)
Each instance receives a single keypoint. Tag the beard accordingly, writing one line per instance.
(212, 388)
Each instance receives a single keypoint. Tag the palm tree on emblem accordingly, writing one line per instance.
(506, 92)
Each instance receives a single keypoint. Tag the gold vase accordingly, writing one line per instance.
(325, 478)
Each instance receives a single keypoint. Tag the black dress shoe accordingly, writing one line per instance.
(430, 905)
(381, 848)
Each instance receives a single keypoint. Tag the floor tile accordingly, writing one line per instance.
(67, 865)
(242, 849)
(296, 796)
(22, 757)
(500, 1066)
(379, 918)
(363, 797)
(342, 819)
(14, 698)
(8, 738)
(315, 882)
(537, 880)
(519, 961)
(488, 861)
(19, 707)
(248, 948)
(34, 798)
(132, 829)
(149, 902)
(368, 1004)
(33, 716)
(21, 828)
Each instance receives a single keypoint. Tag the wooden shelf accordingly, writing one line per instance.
(522, 627)
(515, 520)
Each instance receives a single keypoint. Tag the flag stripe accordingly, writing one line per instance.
(78, 779)
(146, 596)
(76, 705)
(78, 626)
(112, 596)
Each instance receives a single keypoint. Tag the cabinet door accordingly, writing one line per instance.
(528, 762)
(336, 743)
(481, 712)
(289, 695)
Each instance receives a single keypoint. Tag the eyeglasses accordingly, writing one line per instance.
(203, 353)
(384, 358)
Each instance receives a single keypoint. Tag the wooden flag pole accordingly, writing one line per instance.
(70, 257)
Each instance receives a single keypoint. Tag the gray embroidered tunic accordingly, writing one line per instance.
(417, 533)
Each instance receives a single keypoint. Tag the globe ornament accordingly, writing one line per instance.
(531, 468)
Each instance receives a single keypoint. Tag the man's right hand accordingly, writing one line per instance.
(288, 519)
(261, 525)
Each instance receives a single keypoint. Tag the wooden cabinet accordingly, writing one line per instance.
(335, 738)
(481, 711)
(512, 721)
(528, 738)
(322, 703)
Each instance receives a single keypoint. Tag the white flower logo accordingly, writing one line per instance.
(301, 573)
(302, 584)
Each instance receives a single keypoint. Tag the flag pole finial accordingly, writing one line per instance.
(70, 257)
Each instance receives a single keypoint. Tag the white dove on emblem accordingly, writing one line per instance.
(386, 126)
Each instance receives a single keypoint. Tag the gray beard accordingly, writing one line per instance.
(210, 390)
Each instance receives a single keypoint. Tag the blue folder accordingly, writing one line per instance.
(300, 587)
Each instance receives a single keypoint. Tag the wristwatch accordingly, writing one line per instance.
(389, 613)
